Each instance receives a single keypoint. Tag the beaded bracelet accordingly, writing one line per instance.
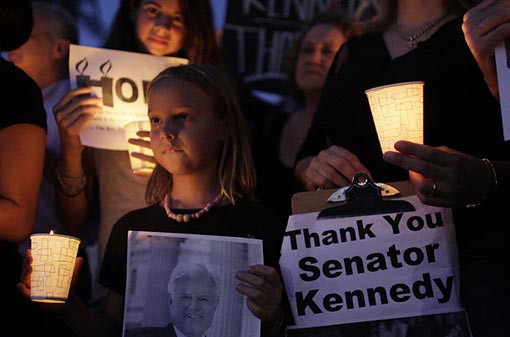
(70, 186)
(495, 184)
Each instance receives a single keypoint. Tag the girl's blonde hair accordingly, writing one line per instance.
(236, 172)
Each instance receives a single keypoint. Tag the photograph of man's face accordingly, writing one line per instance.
(184, 285)
(193, 301)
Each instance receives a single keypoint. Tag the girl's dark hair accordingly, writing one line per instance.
(347, 25)
(16, 22)
(236, 172)
(199, 43)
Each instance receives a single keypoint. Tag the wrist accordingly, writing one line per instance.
(274, 327)
(492, 184)
(71, 164)
(70, 185)
(502, 170)
(71, 152)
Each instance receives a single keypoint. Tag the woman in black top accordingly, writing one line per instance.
(22, 141)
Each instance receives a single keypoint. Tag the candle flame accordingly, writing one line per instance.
(81, 65)
(51, 232)
(105, 68)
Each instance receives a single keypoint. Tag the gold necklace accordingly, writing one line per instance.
(412, 40)
(187, 217)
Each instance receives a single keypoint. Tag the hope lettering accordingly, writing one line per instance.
(126, 89)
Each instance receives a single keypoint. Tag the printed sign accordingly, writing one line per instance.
(368, 268)
(258, 33)
(121, 79)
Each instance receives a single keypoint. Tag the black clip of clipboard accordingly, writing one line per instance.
(363, 197)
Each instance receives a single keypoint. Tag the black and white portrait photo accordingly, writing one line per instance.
(185, 285)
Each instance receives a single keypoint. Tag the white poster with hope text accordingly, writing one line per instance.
(371, 267)
(120, 78)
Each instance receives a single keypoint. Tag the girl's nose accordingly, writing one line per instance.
(164, 21)
(167, 132)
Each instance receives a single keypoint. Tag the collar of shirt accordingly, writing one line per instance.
(178, 333)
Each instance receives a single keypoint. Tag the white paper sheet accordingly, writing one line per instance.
(503, 68)
(120, 78)
(368, 268)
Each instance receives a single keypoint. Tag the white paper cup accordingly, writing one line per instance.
(397, 110)
(54, 256)
(138, 165)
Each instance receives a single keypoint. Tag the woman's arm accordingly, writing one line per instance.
(22, 149)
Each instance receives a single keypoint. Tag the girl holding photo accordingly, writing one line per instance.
(202, 184)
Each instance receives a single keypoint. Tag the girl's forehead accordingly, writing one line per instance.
(173, 5)
(174, 82)
(175, 91)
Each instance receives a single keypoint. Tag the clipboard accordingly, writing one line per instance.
(363, 197)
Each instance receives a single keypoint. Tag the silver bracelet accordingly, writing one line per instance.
(494, 177)
(70, 186)
(493, 171)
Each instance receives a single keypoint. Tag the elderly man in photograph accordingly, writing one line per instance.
(193, 293)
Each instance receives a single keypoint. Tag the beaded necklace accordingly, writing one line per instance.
(189, 216)
(412, 40)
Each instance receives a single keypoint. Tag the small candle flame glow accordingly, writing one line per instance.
(51, 232)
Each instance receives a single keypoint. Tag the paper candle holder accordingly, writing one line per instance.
(397, 111)
(54, 256)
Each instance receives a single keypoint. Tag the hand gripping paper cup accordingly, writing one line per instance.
(138, 165)
(397, 110)
(54, 256)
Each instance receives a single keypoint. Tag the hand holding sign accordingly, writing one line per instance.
(120, 79)
(72, 113)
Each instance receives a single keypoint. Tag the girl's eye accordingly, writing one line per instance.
(155, 121)
(181, 117)
(151, 12)
(178, 19)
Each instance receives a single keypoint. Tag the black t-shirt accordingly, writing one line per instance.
(247, 219)
(21, 98)
(275, 180)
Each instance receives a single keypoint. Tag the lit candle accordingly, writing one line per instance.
(54, 256)
(397, 110)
